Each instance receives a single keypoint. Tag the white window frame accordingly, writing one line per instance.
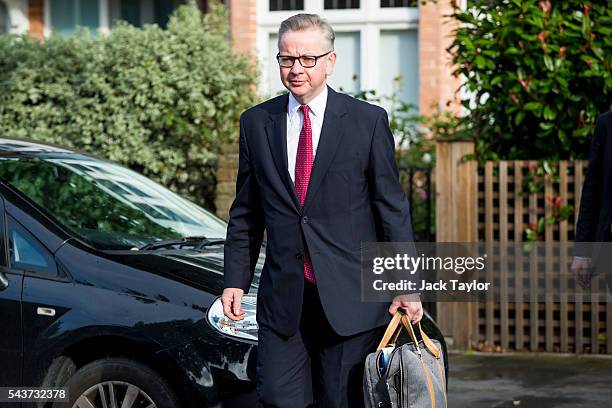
(369, 20)
(104, 24)
(17, 10)
(103, 11)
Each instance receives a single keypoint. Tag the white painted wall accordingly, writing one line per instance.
(363, 25)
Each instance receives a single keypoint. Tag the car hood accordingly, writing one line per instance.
(202, 269)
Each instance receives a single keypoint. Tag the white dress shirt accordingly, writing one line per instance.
(295, 120)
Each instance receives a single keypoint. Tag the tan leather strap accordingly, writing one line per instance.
(428, 343)
(430, 386)
(444, 381)
(391, 328)
(395, 336)
(406, 323)
(393, 332)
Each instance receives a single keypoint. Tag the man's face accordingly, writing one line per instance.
(306, 83)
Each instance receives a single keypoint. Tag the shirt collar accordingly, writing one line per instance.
(317, 105)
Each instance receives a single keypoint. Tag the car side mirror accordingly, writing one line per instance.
(4, 283)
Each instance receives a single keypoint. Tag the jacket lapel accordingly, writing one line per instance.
(331, 135)
(276, 130)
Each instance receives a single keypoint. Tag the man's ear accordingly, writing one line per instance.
(331, 61)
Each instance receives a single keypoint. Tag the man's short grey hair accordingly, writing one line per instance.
(305, 21)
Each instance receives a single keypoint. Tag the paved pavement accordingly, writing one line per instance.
(529, 380)
(517, 380)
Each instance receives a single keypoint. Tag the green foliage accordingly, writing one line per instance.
(537, 74)
(539, 173)
(159, 101)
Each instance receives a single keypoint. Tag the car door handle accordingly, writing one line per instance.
(45, 311)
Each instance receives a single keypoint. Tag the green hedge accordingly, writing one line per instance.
(537, 74)
(158, 101)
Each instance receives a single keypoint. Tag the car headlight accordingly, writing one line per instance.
(245, 329)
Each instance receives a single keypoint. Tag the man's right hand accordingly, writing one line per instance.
(581, 270)
(231, 299)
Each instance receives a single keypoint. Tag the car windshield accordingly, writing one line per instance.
(105, 204)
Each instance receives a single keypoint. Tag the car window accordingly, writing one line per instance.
(26, 252)
(105, 204)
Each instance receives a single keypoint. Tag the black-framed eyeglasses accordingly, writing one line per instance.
(307, 61)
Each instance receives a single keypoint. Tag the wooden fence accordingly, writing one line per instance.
(499, 201)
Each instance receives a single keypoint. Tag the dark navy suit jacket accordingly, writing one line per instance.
(596, 202)
(353, 196)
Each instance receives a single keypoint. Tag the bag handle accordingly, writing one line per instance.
(428, 343)
(426, 340)
(392, 328)
(430, 386)
(408, 325)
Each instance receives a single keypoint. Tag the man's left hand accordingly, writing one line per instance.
(581, 268)
(410, 305)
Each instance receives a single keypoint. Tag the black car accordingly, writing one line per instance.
(110, 285)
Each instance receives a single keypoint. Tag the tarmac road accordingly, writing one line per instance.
(524, 380)
(516, 380)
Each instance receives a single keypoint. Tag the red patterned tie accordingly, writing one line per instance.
(303, 167)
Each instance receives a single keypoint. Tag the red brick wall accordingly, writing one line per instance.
(227, 171)
(243, 25)
(243, 30)
(437, 85)
(36, 15)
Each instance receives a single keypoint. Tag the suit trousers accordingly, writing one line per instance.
(315, 366)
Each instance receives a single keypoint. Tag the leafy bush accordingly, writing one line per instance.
(537, 75)
(159, 101)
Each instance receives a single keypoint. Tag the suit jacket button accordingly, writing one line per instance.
(299, 256)
(304, 220)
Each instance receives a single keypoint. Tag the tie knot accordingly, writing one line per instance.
(304, 109)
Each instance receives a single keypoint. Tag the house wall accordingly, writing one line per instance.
(243, 30)
(437, 85)
(36, 13)
(243, 25)
(373, 45)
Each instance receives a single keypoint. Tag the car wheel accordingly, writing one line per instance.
(118, 382)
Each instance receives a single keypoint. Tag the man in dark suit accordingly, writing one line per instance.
(595, 216)
(317, 171)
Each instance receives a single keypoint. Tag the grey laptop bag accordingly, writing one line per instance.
(408, 376)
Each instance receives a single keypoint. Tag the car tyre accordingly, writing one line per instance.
(122, 379)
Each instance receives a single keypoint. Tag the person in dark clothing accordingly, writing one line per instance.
(595, 216)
